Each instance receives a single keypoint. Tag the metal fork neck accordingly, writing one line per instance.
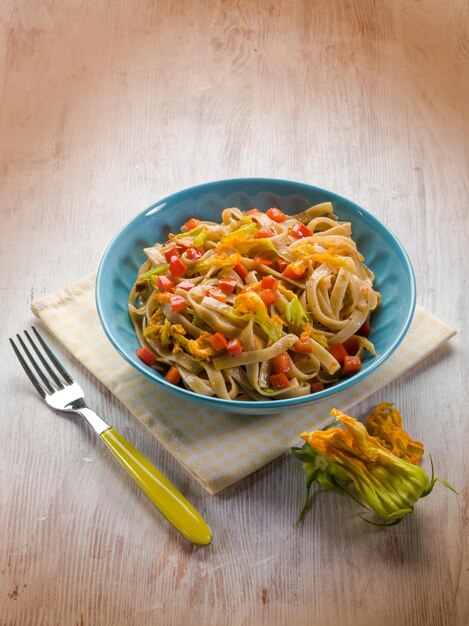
(98, 424)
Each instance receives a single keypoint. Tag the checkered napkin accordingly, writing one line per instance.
(217, 449)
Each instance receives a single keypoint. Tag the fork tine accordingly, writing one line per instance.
(35, 364)
(51, 372)
(28, 370)
(52, 357)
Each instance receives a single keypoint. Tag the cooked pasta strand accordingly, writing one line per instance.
(256, 306)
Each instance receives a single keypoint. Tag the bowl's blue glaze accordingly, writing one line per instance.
(383, 254)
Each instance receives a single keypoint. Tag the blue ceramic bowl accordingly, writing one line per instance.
(383, 254)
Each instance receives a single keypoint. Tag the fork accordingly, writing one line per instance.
(58, 389)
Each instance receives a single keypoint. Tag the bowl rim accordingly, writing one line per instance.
(244, 405)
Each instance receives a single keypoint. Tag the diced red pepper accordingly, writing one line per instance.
(192, 223)
(268, 296)
(276, 215)
(364, 330)
(146, 355)
(234, 347)
(316, 386)
(194, 253)
(178, 303)
(351, 346)
(280, 363)
(177, 267)
(263, 260)
(252, 211)
(170, 253)
(265, 232)
(173, 376)
(165, 283)
(338, 352)
(240, 270)
(269, 282)
(278, 381)
(280, 264)
(303, 345)
(352, 364)
(227, 284)
(187, 285)
(216, 293)
(218, 341)
(289, 272)
(174, 251)
(299, 231)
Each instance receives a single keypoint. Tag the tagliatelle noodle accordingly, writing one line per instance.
(321, 293)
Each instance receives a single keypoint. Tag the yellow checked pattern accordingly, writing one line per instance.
(216, 448)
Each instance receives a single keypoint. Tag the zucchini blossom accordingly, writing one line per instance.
(385, 424)
(383, 468)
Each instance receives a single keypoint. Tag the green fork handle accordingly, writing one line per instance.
(164, 495)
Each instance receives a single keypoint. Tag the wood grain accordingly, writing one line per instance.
(104, 108)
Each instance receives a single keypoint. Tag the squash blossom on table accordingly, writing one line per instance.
(380, 459)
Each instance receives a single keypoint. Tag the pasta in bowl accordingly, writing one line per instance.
(125, 259)
(260, 306)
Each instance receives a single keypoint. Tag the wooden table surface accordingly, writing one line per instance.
(106, 107)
